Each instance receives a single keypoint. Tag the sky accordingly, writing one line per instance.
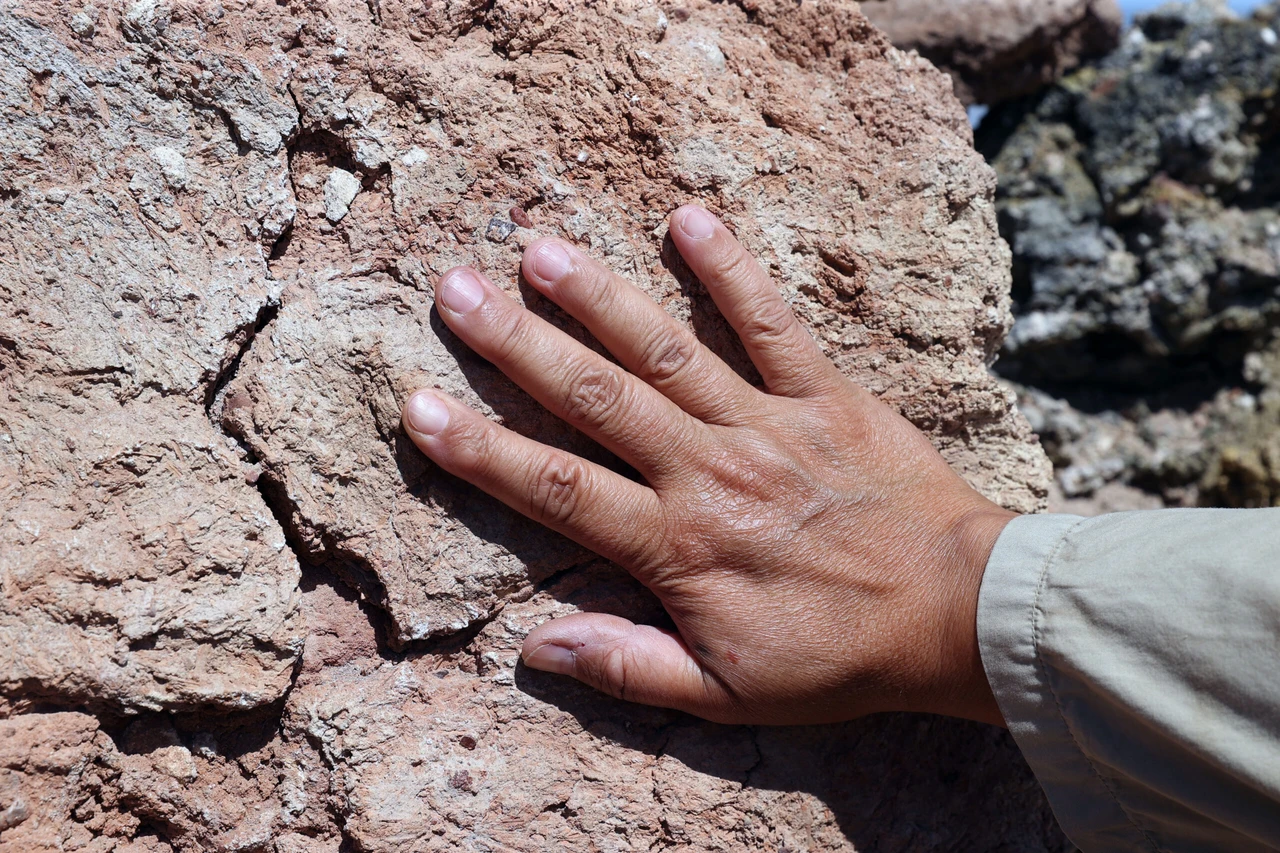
(1132, 6)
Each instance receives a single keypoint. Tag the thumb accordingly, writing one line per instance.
(637, 663)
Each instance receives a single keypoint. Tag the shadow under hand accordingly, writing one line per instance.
(708, 323)
(890, 782)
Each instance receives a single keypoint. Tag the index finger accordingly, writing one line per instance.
(787, 356)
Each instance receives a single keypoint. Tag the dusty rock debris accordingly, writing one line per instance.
(241, 613)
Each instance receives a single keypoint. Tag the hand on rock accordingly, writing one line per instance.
(817, 555)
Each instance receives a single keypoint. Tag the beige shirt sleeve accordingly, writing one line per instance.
(1136, 659)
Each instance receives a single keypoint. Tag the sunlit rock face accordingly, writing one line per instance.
(241, 612)
(1141, 198)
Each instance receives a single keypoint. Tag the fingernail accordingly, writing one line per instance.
(461, 291)
(427, 414)
(551, 658)
(697, 223)
(551, 262)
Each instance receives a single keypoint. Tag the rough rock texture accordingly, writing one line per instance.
(880, 229)
(138, 569)
(996, 50)
(1223, 452)
(502, 759)
(220, 226)
(66, 785)
(459, 750)
(1141, 197)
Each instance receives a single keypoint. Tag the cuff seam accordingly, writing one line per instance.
(1037, 624)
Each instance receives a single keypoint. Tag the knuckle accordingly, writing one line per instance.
(599, 293)
(510, 336)
(593, 395)
(771, 322)
(732, 265)
(479, 445)
(555, 491)
(612, 668)
(666, 356)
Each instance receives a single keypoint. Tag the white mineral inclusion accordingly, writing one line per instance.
(1269, 37)
(1200, 50)
(415, 156)
(172, 164)
(83, 24)
(339, 191)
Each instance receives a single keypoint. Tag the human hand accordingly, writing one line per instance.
(819, 558)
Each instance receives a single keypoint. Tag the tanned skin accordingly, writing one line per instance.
(819, 558)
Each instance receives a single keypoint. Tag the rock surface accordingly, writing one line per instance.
(996, 50)
(1139, 196)
(881, 234)
(1222, 452)
(67, 785)
(460, 750)
(139, 571)
(221, 224)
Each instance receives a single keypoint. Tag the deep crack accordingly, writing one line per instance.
(266, 314)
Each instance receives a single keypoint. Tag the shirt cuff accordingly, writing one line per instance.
(1010, 626)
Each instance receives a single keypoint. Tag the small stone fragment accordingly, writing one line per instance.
(85, 22)
(14, 813)
(175, 762)
(499, 229)
(172, 165)
(519, 217)
(339, 191)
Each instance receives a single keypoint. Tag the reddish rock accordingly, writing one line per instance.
(229, 217)
(556, 765)
(65, 785)
(140, 572)
(996, 50)
(873, 210)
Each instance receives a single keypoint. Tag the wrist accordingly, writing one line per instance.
(967, 692)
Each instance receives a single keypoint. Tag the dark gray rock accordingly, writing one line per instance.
(1141, 197)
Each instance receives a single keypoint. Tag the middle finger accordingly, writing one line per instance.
(599, 398)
